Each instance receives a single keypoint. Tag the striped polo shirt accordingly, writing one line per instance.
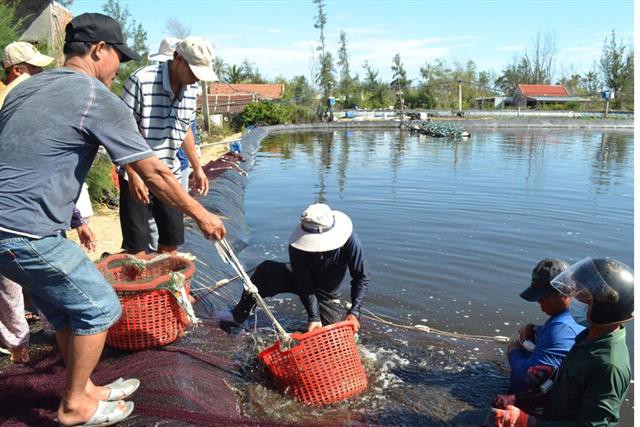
(163, 118)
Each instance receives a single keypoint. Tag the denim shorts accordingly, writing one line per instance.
(62, 282)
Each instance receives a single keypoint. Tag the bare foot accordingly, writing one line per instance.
(20, 354)
(96, 392)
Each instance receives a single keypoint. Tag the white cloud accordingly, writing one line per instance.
(267, 30)
(512, 48)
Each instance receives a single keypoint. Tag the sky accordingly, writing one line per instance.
(278, 36)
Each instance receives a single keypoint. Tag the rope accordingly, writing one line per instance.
(428, 329)
(227, 255)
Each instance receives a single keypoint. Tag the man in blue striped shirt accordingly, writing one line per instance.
(162, 98)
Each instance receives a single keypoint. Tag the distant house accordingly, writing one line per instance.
(228, 98)
(538, 95)
(44, 22)
(492, 102)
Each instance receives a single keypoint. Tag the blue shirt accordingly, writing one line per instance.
(322, 272)
(554, 339)
(50, 128)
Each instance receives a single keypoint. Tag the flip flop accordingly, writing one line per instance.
(108, 413)
(121, 389)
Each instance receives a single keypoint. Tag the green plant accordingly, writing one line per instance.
(102, 189)
(9, 24)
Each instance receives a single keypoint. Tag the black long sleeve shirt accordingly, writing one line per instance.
(322, 272)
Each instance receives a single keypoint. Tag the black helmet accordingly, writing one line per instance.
(610, 284)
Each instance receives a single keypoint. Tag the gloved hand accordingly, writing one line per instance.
(538, 374)
(528, 332)
(510, 417)
(313, 326)
(503, 400)
(353, 318)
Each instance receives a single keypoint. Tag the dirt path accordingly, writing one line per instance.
(105, 223)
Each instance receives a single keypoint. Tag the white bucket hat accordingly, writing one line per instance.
(19, 52)
(198, 53)
(321, 229)
(166, 49)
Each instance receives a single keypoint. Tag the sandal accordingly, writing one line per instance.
(121, 389)
(108, 413)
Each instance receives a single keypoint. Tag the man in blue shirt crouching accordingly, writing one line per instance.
(549, 343)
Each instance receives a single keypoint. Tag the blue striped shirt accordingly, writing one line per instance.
(163, 118)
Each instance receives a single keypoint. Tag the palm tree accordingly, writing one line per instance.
(233, 74)
(218, 66)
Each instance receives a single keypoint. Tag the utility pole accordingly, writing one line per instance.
(205, 107)
(459, 96)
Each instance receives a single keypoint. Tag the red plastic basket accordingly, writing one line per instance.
(323, 368)
(150, 317)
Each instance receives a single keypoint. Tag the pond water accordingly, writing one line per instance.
(451, 231)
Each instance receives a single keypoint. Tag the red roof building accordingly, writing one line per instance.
(228, 98)
(536, 95)
(543, 90)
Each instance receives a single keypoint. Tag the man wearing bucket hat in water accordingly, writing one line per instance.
(594, 377)
(45, 154)
(549, 343)
(321, 249)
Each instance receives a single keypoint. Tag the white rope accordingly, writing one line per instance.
(227, 255)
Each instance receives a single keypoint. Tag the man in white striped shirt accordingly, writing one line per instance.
(162, 98)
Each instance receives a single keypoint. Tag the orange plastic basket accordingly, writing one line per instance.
(323, 368)
(150, 317)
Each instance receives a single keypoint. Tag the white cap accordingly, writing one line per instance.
(198, 53)
(19, 52)
(166, 49)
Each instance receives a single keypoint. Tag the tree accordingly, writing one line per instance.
(347, 86)
(9, 24)
(616, 67)
(399, 74)
(218, 66)
(250, 72)
(175, 28)
(541, 60)
(325, 77)
(233, 74)
(134, 35)
(377, 94)
(299, 91)
(534, 67)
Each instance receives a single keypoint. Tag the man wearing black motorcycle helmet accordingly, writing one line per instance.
(594, 378)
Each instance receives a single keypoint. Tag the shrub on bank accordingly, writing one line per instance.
(102, 189)
(266, 113)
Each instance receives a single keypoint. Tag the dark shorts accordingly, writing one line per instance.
(273, 278)
(62, 282)
(134, 221)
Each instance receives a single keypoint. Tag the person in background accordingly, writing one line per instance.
(20, 60)
(162, 99)
(594, 377)
(36, 203)
(321, 249)
(554, 339)
(165, 53)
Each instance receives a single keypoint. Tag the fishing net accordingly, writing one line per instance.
(211, 377)
(185, 383)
